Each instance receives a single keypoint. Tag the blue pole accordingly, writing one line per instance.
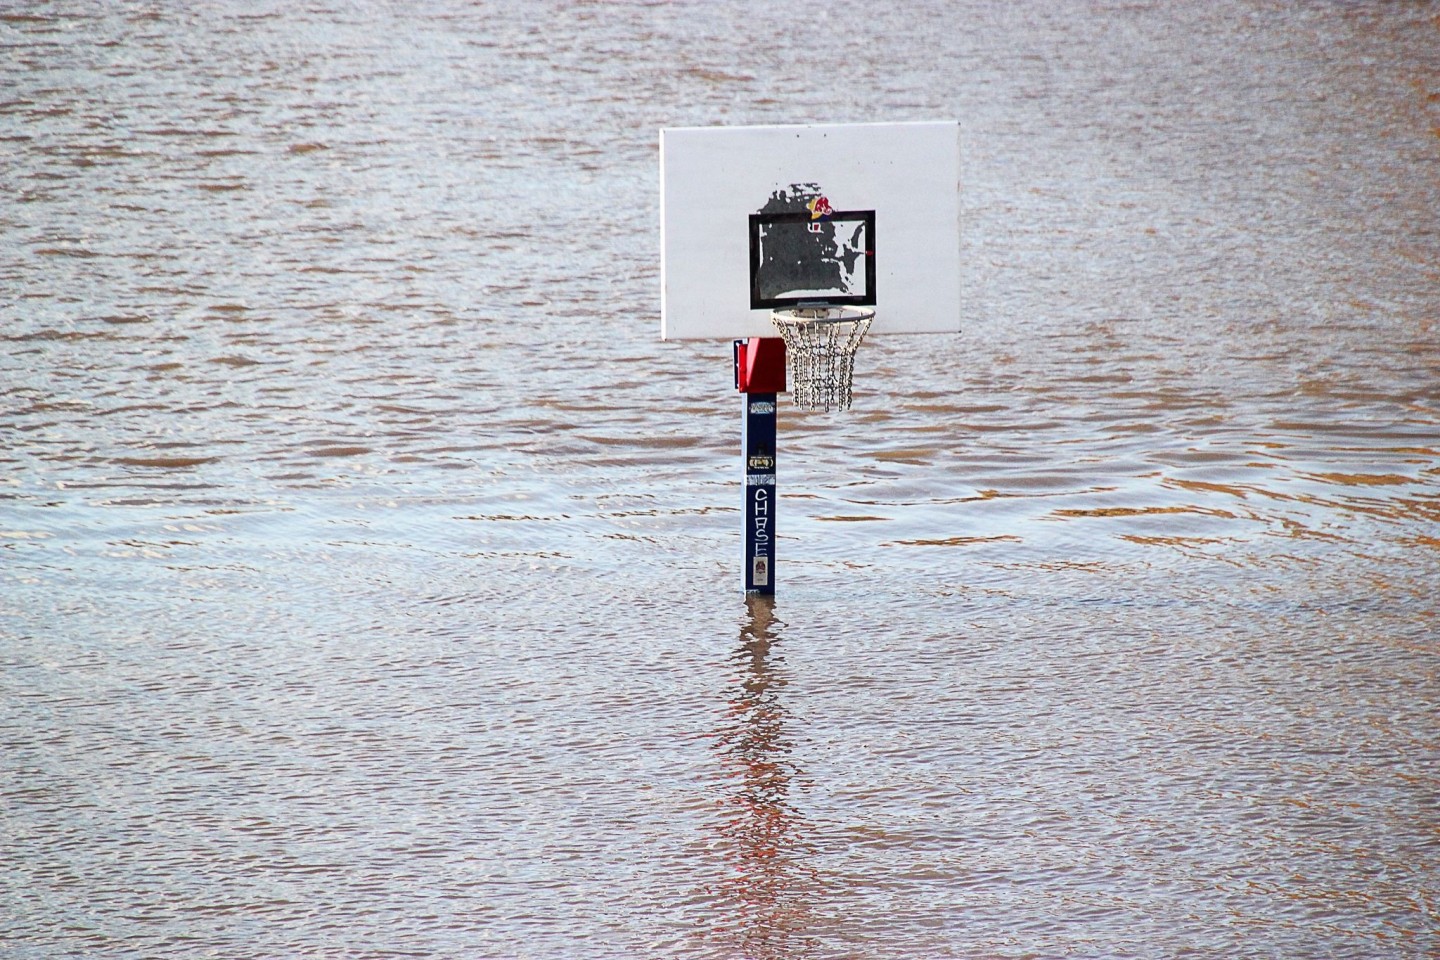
(758, 444)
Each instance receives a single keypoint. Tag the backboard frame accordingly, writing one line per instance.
(761, 297)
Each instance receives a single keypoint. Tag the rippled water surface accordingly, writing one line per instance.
(369, 571)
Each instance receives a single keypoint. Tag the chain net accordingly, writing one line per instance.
(820, 345)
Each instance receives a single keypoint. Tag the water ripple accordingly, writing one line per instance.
(367, 570)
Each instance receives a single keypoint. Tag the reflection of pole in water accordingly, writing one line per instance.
(771, 889)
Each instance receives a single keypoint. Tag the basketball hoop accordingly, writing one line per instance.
(820, 345)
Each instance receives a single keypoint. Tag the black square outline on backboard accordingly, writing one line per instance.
(757, 220)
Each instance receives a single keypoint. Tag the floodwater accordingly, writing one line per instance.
(369, 572)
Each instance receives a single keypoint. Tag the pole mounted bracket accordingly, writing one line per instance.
(760, 365)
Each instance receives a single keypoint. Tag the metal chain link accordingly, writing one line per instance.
(820, 345)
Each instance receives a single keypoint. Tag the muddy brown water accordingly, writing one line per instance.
(368, 570)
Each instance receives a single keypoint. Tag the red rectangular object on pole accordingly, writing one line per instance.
(760, 365)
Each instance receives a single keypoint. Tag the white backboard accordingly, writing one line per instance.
(881, 200)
